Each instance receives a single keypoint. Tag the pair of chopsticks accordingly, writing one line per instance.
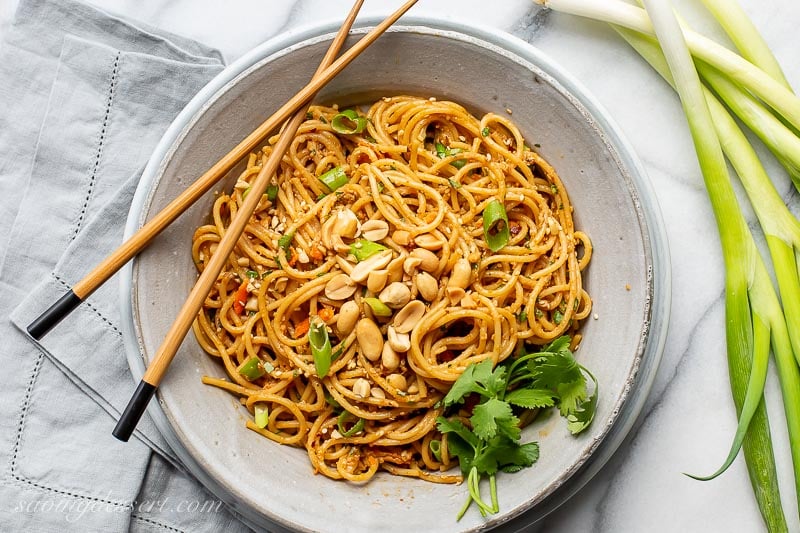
(294, 108)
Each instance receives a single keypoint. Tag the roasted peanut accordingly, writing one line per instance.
(376, 280)
(369, 338)
(378, 261)
(409, 316)
(400, 342)
(428, 241)
(398, 381)
(346, 224)
(361, 388)
(427, 286)
(348, 316)
(428, 260)
(340, 287)
(395, 295)
(374, 230)
(401, 237)
(462, 272)
(389, 358)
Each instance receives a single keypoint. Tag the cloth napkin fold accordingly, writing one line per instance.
(84, 98)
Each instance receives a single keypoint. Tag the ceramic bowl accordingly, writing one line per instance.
(272, 486)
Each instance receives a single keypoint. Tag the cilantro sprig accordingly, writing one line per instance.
(490, 442)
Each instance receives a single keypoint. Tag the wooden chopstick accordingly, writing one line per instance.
(180, 327)
(139, 240)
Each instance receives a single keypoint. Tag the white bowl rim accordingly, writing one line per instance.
(631, 402)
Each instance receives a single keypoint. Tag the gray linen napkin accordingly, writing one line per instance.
(84, 98)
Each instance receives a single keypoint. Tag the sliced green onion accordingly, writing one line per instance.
(485, 131)
(753, 311)
(330, 400)
(378, 307)
(495, 225)
(285, 241)
(522, 316)
(251, 369)
(320, 345)
(442, 151)
(453, 183)
(334, 178)
(262, 415)
(246, 192)
(726, 61)
(558, 316)
(364, 249)
(272, 193)
(356, 428)
(436, 449)
(252, 274)
(348, 122)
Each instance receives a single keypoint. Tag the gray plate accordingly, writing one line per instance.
(271, 486)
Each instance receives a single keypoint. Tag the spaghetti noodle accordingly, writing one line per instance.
(415, 239)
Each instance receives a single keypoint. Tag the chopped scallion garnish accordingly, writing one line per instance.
(495, 225)
(251, 369)
(364, 249)
(348, 122)
(354, 429)
(378, 307)
(334, 178)
(320, 345)
(262, 415)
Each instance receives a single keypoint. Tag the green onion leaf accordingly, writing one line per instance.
(363, 249)
(330, 400)
(252, 274)
(348, 122)
(453, 183)
(262, 415)
(436, 449)
(495, 225)
(356, 428)
(442, 151)
(272, 193)
(320, 345)
(285, 241)
(334, 178)
(251, 369)
(378, 307)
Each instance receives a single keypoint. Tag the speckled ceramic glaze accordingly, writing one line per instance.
(272, 486)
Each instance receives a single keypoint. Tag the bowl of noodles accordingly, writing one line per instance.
(454, 207)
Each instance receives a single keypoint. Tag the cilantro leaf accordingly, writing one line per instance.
(530, 398)
(457, 426)
(495, 383)
(502, 453)
(560, 345)
(478, 378)
(493, 416)
(520, 457)
(580, 418)
(570, 396)
(553, 369)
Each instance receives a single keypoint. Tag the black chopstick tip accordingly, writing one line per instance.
(134, 411)
(54, 314)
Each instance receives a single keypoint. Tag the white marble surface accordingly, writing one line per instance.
(689, 418)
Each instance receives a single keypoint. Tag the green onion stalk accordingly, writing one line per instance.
(740, 70)
(749, 365)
